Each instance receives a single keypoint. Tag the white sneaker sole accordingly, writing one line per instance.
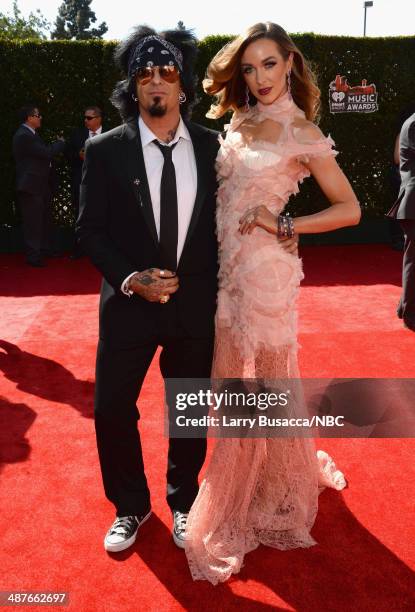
(178, 541)
(127, 543)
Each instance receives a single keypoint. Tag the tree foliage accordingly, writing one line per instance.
(74, 22)
(64, 77)
(16, 26)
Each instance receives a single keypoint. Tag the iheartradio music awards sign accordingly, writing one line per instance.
(345, 99)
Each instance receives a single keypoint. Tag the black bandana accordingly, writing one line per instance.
(154, 51)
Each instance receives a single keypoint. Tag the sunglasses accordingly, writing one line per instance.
(167, 73)
(90, 117)
(36, 115)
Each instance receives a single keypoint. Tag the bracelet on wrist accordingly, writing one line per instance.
(285, 226)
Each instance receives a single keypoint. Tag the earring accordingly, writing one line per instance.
(134, 97)
(289, 85)
(247, 99)
(182, 97)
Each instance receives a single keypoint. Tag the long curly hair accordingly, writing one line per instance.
(224, 78)
(122, 94)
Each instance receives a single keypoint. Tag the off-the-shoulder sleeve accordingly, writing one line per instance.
(308, 141)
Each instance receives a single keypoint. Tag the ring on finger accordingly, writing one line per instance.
(164, 299)
(250, 219)
(161, 272)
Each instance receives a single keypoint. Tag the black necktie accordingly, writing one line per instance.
(168, 210)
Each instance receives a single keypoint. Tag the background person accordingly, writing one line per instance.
(34, 184)
(404, 211)
(395, 229)
(76, 154)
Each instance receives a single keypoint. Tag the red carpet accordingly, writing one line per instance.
(54, 513)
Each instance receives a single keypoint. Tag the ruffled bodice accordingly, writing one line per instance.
(280, 162)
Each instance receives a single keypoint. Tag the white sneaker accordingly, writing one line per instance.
(179, 527)
(123, 532)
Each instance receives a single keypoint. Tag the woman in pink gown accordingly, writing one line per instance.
(263, 491)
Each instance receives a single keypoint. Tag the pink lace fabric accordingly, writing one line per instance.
(258, 491)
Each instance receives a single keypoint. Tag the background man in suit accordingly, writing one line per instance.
(147, 220)
(76, 153)
(405, 206)
(33, 183)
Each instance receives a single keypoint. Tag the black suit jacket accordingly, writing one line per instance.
(116, 228)
(33, 161)
(406, 198)
(75, 144)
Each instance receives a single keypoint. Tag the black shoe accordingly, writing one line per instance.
(179, 527)
(36, 263)
(75, 256)
(123, 532)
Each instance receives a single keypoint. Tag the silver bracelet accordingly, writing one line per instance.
(285, 226)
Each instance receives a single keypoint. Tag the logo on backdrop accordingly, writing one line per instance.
(346, 99)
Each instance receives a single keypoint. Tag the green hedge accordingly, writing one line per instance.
(63, 77)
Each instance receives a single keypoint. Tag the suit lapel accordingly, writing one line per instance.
(202, 162)
(137, 177)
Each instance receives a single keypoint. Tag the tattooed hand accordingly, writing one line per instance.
(153, 283)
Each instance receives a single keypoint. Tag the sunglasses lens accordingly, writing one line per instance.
(167, 73)
(144, 75)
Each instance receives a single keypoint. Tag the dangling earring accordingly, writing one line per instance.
(134, 97)
(289, 84)
(182, 97)
(247, 99)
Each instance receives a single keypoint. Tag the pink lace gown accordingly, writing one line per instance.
(258, 491)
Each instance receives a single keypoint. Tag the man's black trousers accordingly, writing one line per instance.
(119, 377)
(406, 307)
(36, 222)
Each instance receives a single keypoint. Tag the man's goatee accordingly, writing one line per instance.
(156, 109)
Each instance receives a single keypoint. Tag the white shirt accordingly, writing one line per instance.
(93, 133)
(186, 178)
(29, 128)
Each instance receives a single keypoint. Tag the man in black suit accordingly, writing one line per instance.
(33, 183)
(147, 221)
(405, 213)
(76, 152)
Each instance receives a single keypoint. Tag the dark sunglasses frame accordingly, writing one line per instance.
(167, 73)
(89, 117)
